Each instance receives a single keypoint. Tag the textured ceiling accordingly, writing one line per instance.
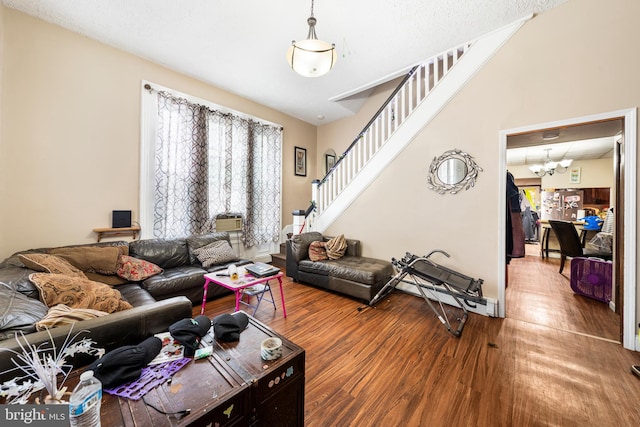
(240, 45)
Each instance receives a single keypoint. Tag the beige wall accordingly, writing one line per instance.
(577, 55)
(339, 135)
(3, 182)
(70, 134)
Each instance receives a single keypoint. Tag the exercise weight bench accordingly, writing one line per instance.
(432, 280)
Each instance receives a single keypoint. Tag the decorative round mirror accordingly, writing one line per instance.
(453, 171)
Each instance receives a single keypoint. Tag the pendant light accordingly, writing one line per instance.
(550, 167)
(311, 57)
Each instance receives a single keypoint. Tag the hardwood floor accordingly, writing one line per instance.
(538, 294)
(396, 365)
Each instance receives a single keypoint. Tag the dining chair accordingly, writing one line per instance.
(571, 244)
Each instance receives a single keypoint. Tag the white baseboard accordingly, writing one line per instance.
(489, 309)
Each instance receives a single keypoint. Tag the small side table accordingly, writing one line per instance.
(244, 281)
(122, 231)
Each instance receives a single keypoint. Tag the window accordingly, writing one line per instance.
(199, 161)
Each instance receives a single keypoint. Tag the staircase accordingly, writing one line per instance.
(280, 259)
(423, 93)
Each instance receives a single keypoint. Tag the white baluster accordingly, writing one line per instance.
(402, 110)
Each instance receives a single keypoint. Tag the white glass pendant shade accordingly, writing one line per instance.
(311, 57)
(550, 167)
(537, 169)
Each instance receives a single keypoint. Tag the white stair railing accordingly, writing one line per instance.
(420, 96)
(416, 86)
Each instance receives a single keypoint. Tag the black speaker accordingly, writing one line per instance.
(121, 219)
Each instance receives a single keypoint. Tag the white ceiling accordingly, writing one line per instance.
(240, 46)
(587, 141)
(599, 148)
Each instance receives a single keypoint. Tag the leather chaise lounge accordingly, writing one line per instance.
(352, 274)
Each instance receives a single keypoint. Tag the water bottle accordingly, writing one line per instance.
(84, 404)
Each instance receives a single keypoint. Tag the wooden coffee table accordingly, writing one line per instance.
(233, 387)
(246, 280)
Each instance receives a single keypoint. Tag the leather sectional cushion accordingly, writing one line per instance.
(357, 269)
(17, 279)
(109, 332)
(175, 280)
(135, 295)
(165, 253)
(18, 312)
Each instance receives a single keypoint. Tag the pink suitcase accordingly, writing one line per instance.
(591, 277)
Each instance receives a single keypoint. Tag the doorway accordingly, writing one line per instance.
(625, 243)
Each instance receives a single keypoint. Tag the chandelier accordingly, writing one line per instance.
(311, 57)
(550, 167)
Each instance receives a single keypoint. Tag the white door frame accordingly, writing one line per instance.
(630, 241)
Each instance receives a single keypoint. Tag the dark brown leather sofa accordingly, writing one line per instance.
(112, 331)
(157, 302)
(182, 273)
(353, 275)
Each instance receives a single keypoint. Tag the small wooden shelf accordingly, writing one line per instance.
(122, 231)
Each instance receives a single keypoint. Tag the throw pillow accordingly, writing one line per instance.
(77, 292)
(136, 269)
(49, 264)
(215, 253)
(60, 315)
(199, 240)
(317, 251)
(93, 259)
(336, 247)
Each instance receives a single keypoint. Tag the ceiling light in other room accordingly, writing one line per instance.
(311, 57)
(550, 167)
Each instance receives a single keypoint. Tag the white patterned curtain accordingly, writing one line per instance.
(180, 188)
(224, 164)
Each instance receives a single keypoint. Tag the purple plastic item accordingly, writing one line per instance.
(151, 377)
(591, 277)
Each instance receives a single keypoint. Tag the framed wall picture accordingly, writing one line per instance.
(301, 161)
(574, 175)
(330, 160)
